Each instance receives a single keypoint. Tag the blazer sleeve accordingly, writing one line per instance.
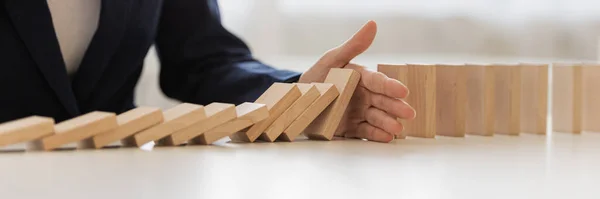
(201, 62)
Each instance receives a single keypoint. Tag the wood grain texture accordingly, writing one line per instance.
(175, 119)
(247, 115)
(534, 99)
(80, 129)
(216, 114)
(309, 95)
(479, 115)
(489, 101)
(326, 124)
(566, 98)
(400, 73)
(450, 100)
(278, 98)
(25, 130)
(421, 83)
(327, 94)
(130, 122)
(590, 93)
(508, 99)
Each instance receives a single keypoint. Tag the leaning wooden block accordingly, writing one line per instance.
(175, 119)
(216, 114)
(324, 127)
(278, 98)
(327, 93)
(480, 100)
(247, 115)
(130, 122)
(25, 130)
(534, 98)
(590, 92)
(400, 73)
(566, 98)
(508, 99)
(79, 129)
(309, 95)
(450, 100)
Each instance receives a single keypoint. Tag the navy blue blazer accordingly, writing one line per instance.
(201, 62)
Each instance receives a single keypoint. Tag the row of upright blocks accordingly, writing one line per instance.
(454, 100)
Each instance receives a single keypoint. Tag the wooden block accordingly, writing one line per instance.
(25, 130)
(216, 114)
(278, 98)
(175, 119)
(400, 73)
(480, 100)
(326, 124)
(309, 95)
(508, 99)
(130, 122)
(327, 93)
(590, 92)
(566, 98)
(247, 115)
(450, 100)
(79, 129)
(534, 98)
(421, 81)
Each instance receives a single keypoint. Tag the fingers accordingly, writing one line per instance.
(379, 83)
(371, 133)
(357, 44)
(382, 120)
(393, 106)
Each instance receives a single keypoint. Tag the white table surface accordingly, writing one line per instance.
(528, 166)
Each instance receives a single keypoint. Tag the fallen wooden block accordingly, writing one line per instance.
(175, 119)
(25, 130)
(590, 92)
(326, 124)
(400, 73)
(450, 100)
(130, 122)
(534, 98)
(247, 115)
(567, 98)
(80, 129)
(480, 100)
(278, 98)
(309, 95)
(327, 93)
(508, 99)
(216, 114)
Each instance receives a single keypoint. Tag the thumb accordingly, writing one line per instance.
(356, 45)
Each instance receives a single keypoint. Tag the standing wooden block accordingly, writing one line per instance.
(566, 98)
(450, 100)
(216, 114)
(508, 99)
(534, 98)
(327, 93)
(309, 95)
(247, 115)
(79, 129)
(480, 100)
(130, 122)
(175, 119)
(422, 84)
(25, 130)
(590, 91)
(324, 127)
(278, 98)
(400, 73)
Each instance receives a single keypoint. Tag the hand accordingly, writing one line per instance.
(376, 103)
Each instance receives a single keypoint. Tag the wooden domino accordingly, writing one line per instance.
(327, 93)
(422, 84)
(278, 98)
(326, 124)
(175, 119)
(25, 130)
(130, 122)
(247, 115)
(309, 95)
(567, 98)
(216, 114)
(591, 97)
(508, 99)
(534, 98)
(400, 73)
(479, 118)
(450, 100)
(79, 129)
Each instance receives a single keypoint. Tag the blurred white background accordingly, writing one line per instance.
(292, 34)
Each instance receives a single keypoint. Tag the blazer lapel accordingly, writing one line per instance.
(33, 22)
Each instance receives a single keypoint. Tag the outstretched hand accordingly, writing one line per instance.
(376, 103)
